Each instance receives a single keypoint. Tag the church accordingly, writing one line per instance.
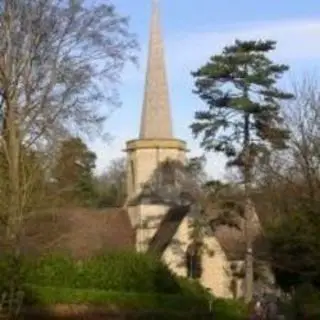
(165, 228)
(155, 222)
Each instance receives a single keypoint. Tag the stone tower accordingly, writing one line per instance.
(155, 143)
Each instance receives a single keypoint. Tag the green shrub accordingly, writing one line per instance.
(305, 303)
(122, 279)
(52, 270)
(189, 287)
(128, 272)
(12, 272)
(227, 309)
(115, 271)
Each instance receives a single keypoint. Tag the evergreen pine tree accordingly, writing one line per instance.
(242, 116)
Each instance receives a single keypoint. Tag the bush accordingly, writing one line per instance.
(305, 303)
(12, 272)
(193, 288)
(51, 270)
(227, 309)
(115, 271)
(126, 280)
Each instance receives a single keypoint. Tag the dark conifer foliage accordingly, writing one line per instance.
(239, 87)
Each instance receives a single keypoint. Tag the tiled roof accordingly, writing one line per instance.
(167, 229)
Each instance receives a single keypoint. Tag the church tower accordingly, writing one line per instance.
(156, 142)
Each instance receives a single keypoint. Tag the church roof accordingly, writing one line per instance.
(78, 231)
(167, 229)
(86, 232)
(231, 239)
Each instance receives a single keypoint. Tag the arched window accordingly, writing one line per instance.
(194, 260)
(168, 173)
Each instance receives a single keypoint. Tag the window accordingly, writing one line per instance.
(167, 172)
(194, 261)
(133, 178)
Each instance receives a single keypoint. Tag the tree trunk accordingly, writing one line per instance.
(12, 157)
(13, 146)
(249, 255)
(248, 285)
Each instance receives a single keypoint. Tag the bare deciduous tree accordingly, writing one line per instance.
(303, 117)
(60, 62)
(289, 189)
(299, 165)
(111, 185)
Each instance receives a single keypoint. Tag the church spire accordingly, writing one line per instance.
(156, 115)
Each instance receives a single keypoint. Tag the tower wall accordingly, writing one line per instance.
(144, 158)
(156, 142)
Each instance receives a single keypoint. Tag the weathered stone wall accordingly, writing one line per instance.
(144, 159)
(216, 275)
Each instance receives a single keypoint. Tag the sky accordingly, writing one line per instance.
(192, 32)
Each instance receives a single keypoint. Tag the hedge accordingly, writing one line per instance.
(115, 271)
(123, 279)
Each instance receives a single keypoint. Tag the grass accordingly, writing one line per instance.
(119, 281)
(119, 300)
(162, 306)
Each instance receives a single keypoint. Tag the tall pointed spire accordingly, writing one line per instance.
(156, 115)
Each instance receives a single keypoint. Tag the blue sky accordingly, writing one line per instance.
(194, 30)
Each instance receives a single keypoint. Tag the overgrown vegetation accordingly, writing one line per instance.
(72, 180)
(116, 271)
(110, 185)
(127, 280)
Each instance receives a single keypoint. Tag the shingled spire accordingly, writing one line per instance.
(156, 116)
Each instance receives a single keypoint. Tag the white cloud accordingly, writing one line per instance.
(297, 40)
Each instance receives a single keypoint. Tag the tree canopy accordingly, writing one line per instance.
(73, 171)
(111, 184)
(239, 87)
